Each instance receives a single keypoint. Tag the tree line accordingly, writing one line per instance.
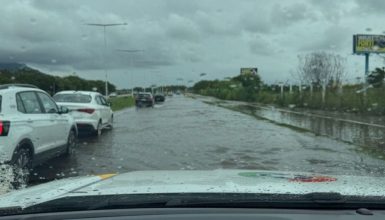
(50, 83)
(242, 87)
(317, 83)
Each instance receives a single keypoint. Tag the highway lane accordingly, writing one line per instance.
(188, 134)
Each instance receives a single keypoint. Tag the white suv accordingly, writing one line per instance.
(90, 110)
(32, 127)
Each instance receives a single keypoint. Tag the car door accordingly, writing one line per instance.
(60, 126)
(106, 109)
(100, 108)
(40, 124)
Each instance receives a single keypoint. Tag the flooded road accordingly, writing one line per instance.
(187, 134)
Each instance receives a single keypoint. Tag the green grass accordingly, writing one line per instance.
(348, 101)
(119, 103)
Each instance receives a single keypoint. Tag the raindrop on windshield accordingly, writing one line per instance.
(33, 21)
(84, 37)
(53, 61)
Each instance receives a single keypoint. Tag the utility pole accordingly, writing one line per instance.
(105, 47)
(130, 51)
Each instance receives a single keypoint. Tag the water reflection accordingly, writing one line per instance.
(351, 131)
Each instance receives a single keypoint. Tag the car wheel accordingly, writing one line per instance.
(22, 163)
(98, 131)
(71, 143)
(112, 122)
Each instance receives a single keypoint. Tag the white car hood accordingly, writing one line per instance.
(216, 181)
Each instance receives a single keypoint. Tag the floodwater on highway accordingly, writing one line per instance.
(188, 134)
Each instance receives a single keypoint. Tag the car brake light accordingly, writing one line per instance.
(4, 128)
(86, 110)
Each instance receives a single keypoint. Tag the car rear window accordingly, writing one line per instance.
(144, 96)
(75, 98)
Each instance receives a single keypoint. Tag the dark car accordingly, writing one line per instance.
(159, 98)
(144, 99)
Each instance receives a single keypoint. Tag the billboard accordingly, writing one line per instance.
(249, 71)
(365, 43)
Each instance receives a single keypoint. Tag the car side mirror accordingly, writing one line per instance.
(109, 104)
(63, 110)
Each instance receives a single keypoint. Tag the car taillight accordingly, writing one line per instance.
(4, 128)
(86, 110)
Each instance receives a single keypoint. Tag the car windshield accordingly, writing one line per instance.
(75, 98)
(156, 97)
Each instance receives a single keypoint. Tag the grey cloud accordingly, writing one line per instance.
(260, 46)
(176, 36)
(182, 28)
(370, 6)
(215, 23)
(332, 10)
(334, 38)
(257, 23)
(289, 15)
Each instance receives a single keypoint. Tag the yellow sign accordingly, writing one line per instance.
(368, 44)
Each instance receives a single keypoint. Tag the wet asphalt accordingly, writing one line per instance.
(188, 134)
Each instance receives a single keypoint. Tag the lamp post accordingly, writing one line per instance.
(104, 26)
(129, 51)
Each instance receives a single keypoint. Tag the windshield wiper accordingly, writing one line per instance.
(328, 198)
(207, 200)
(12, 210)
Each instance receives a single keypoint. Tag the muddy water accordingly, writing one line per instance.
(188, 134)
(358, 131)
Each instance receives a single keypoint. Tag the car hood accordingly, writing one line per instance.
(216, 181)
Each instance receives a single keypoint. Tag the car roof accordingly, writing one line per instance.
(13, 88)
(79, 92)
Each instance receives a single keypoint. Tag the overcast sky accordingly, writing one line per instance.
(179, 39)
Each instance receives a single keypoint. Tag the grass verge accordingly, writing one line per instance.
(249, 110)
(119, 103)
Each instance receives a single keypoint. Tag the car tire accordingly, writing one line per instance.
(22, 164)
(98, 131)
(112, 122)
(71, 143)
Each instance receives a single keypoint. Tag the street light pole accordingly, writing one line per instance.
(130, 51)
(105, 47)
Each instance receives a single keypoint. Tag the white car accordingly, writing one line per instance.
(91, 111)
(32, 128)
